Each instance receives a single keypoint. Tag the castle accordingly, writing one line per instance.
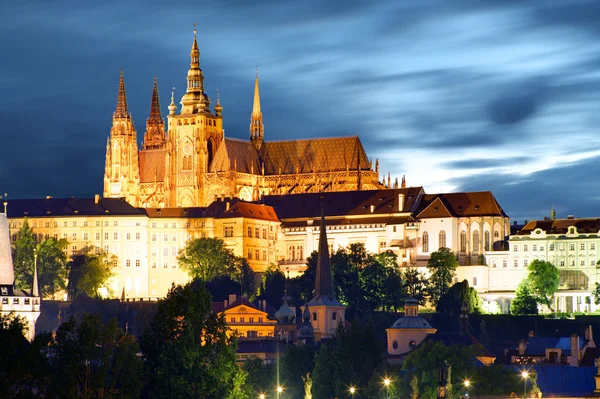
(192, 163)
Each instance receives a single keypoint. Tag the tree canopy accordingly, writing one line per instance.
(524, 302)
(89, 271)
(543, 279)
(442, 266)
(186, 349)
(457, 295)
(207, 259)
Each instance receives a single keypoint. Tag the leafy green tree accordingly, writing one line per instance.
(426, 359)
(244, 275)
(22, 254)
(495, 379)
(297, 361)
(394, 290)
(89, 272)
(272, 286)
(416, 284)
(458, 294)
(207, 259)
(90, 359)
(597, 294)
(186, 349)
(442, 268)
(23, 366)
(302, 287)
(349, 358)
(543, 281)
(52, 266)
(524, 303)
(260, 375)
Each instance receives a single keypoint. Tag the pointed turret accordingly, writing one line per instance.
(195, 100)
(324, 282)
(307, 333)
(172, 106)
(257, 129)
(7, 273)
(218, 107)
(154, 138)
(121, 112)
(35, 290)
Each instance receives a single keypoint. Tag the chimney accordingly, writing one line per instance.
(525, 221)
(225, 304)
(574, 358)
(96, 198)
(372, 208)
(515, 223)
(232, 298)
(570, 217)
(522, 347)
(227, 206)
(590, 334)
(400, 202)
(531, 334)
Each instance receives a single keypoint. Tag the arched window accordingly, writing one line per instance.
(425, 242)
(487, 240)
(442, 239)
(210, 150)
(463, 242)
(496, 234)
(476, 242)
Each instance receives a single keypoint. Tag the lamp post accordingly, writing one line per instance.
(386, 382)
(279, 391)
(467, 383)
(352, 391)
(525, 375)
(261, 396)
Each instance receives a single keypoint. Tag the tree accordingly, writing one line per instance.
(524, 303)
(417, 285)
(89, 272)
(459, 294)
(22, 254)
(272, 286)
(394, 289)
(91, 359)
(297, 362)
(442, 267)
(260, 375)
(543, 281)
(597, 294)
(52, 266)
(207, 258)
(349, 358)
(244, 275)
(425, 360)
(186, 348)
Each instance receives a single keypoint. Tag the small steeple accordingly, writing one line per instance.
(121, 111)
(172, 106)
(307, 332)
(35, 290)
(218, 107)
(403, 185)
(155, 125)
(257, 129)
(323, 280)
(553, 213)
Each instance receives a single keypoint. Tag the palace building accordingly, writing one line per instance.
(189, 162)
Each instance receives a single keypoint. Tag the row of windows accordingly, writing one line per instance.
(257, 232)
(243, 320)
(552, 246)
(295, 252)
(257, 254)
(463, 241)
(561, 262)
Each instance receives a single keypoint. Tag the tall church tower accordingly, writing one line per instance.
(326, 310)
(194, 136)
(154, 138)
(122, 174)
(257, 129)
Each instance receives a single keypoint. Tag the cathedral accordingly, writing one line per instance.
(190, 162)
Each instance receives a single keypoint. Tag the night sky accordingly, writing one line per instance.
(457, 95)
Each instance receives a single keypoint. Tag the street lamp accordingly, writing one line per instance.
(525, 375)
(279, 391)
(386, 382)
(352, 391)
(467, 383)
(261, 396)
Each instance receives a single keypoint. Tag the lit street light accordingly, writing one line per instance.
(279, 391)
(261, 396)
(525, 375)
(467, 383)
(386, 382)
(352, 391)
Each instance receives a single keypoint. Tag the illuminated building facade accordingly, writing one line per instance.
(193, 162)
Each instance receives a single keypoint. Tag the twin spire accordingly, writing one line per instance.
(121, 112)
(257, 129)
(155, 125)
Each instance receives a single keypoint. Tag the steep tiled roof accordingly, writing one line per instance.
(561, 226)
(237, 155)
(314, 155)
(343, 203)
(252, 211)
(470, 204)
(70, 206)
(152, 165)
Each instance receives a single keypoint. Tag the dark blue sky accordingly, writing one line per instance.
(457, 95)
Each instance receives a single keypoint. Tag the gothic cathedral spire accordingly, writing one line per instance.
(195, 100)
(121, 112)
(257, 129)
(121, 174)
(154, 138)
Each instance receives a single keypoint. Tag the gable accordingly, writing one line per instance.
(436, 209)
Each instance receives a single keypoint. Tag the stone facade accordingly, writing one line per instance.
(194, 163)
